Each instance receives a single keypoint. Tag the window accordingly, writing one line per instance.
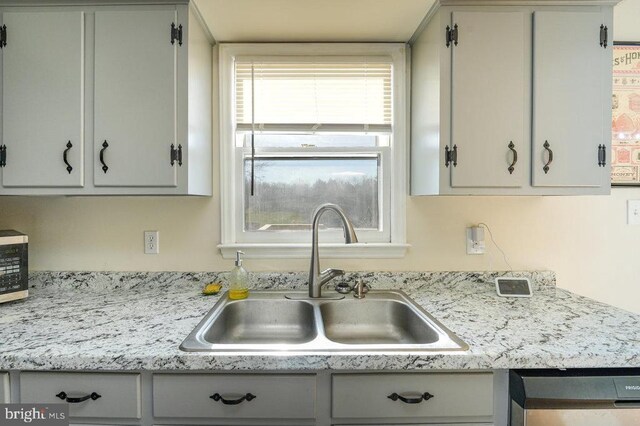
(303, 125)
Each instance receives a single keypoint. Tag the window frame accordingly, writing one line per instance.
(391, 241)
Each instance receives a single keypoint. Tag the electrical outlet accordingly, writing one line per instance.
(475, 247)
(151, 242)
(633, 212)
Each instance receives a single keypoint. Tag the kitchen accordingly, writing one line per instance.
(584, 239)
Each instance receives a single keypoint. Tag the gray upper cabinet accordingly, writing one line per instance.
(568, 99)
(43, 99)
(506, 100)
(135, 98)
(106, 99)
(488, 100)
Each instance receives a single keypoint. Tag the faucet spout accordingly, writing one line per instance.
(329, 274)
(317, 279)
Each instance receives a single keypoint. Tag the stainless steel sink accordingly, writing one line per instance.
(263, 321)
(384, 321)
(380, 322)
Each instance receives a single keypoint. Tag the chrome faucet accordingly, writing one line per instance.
(317, 279)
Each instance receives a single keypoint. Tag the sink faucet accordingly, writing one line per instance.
(317, 279)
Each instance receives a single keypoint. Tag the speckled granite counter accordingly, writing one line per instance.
(133, 321)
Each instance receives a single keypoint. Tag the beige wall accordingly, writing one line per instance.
(584, 239)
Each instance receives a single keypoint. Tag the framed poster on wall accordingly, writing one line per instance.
(625, 138)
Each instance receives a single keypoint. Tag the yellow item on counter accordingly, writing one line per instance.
(239, 294)
(211, 289)
(238, 280)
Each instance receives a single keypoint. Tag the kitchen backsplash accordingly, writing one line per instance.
(270, 280)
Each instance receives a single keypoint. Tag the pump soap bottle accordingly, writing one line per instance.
(238, 280)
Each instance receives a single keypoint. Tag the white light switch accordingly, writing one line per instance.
(633, 212)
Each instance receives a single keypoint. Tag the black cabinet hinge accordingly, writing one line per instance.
(604, 36)
(3, 155)
(451, 156)
(176, 155)
(3, 36)
(452, 35)
(602, 155)
(176, 34)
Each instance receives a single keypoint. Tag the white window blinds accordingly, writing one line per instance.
(313, 94)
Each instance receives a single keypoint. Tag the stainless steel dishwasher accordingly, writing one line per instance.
(589, 397)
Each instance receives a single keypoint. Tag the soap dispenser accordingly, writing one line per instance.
(238, 280)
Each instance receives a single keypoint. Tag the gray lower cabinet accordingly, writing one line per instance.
(260, 396)
(119, 393)
(4, 388)
(453, 397)
(319, 398)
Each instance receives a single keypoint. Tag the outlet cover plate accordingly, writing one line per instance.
(633, 212)
(151, 242)
(477, 248)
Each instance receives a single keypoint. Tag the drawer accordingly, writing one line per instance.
(276, 396)
(4, 388)
(119, 393)
(454, 395)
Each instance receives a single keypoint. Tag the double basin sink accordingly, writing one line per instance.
(285, 321)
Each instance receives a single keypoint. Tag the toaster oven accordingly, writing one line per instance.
(14, 273)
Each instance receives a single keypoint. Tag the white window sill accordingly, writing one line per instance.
(303, 251)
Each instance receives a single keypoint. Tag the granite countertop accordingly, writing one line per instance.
(136, 321)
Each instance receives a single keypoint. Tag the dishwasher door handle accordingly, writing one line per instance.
(627, 404)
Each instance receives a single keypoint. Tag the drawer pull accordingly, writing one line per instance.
(93, 396)
(218, 397)
(410, 399)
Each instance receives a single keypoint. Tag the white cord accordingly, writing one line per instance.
(504, 256)
(490, 252)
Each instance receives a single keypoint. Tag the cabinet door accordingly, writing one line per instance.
(569, 71)
(4, 389)
(135, 98)
(277, 396)
(462, 396)
(42, 99)
(119, 393)
(488, 100)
